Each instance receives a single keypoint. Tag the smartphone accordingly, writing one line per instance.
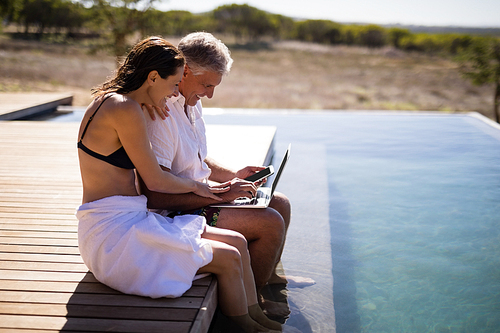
(258, 176)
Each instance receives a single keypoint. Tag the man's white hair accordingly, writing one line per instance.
(205, 53)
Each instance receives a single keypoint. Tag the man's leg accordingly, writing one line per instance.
(281, 204)
(264, 230)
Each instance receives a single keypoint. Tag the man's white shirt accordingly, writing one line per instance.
(179, 142)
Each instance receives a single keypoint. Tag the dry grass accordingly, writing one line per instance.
(288, 75)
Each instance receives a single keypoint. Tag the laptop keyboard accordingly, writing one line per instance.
(261, 194)
(253, 201)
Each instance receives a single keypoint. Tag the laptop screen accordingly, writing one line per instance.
(280, 169)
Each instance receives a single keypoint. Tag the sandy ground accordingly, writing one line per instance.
(291, 75)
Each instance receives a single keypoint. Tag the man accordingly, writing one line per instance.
(179, 143)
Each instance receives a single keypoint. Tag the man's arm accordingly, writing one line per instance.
(185, 201)
(222, 174)
(189, 201)
(219, 173)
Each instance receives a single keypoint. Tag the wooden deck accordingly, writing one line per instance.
(44, 284)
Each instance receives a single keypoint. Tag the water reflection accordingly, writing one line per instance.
(343, 263)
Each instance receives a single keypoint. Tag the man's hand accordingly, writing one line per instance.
(248, 171)
(152, 110)
(208, 191)
(239, 188)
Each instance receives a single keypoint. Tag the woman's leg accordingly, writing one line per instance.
(231, 264)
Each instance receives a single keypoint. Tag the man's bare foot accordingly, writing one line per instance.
(277, 279)
(291, 281)
(299, 281)
(274, 309)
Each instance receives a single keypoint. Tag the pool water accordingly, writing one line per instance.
(396, 216)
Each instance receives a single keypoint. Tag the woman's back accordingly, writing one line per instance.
(99, 136)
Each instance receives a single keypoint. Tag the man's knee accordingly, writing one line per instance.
(275, 223)
(282, 204)
(254, 224)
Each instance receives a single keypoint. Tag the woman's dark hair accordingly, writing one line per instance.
(151, 54)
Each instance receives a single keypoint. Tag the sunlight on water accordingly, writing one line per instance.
(414, 220)
(422, 208)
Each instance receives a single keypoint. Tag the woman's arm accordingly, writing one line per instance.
(130, 126)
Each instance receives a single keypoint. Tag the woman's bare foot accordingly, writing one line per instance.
(256, 314)
(248, 324)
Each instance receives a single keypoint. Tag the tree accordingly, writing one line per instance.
(283, 26)
(44, 14)
(318, 31)
(396, 34)
(10, 9)
(124, 17)
(175, 23)
(372, 36)
(244, 21)
(480, 62)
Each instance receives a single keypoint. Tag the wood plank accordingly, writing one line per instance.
(24, 275)
(18, 330)
(97, 311)
(92, 324)
(79, 287)
(44, 266)
(101, 299)
(6, 208)
(33, 216)
(38, 241)
(35, 227)
(38, 234)
(42, 249)
(37, 257)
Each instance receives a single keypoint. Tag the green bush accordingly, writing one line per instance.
(318, 31)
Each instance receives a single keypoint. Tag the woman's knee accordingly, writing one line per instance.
(229, 260)
(240, 242)
(233, 238)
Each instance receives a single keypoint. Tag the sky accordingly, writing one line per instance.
(462, 13)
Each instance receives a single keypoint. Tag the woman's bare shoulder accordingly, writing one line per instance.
(121, 106)
(119, 102)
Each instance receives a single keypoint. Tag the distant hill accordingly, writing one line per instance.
(448, 29)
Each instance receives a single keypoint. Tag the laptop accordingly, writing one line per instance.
(264, 194)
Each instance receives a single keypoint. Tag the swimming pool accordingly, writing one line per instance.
(395, 215)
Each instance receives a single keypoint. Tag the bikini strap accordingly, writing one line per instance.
(92, 116)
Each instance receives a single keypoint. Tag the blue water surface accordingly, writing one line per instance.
(411, 202)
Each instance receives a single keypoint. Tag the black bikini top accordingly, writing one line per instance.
(119, 158)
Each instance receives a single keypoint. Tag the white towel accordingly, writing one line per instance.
(139, 252)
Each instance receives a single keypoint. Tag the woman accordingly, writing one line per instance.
(124, 245)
